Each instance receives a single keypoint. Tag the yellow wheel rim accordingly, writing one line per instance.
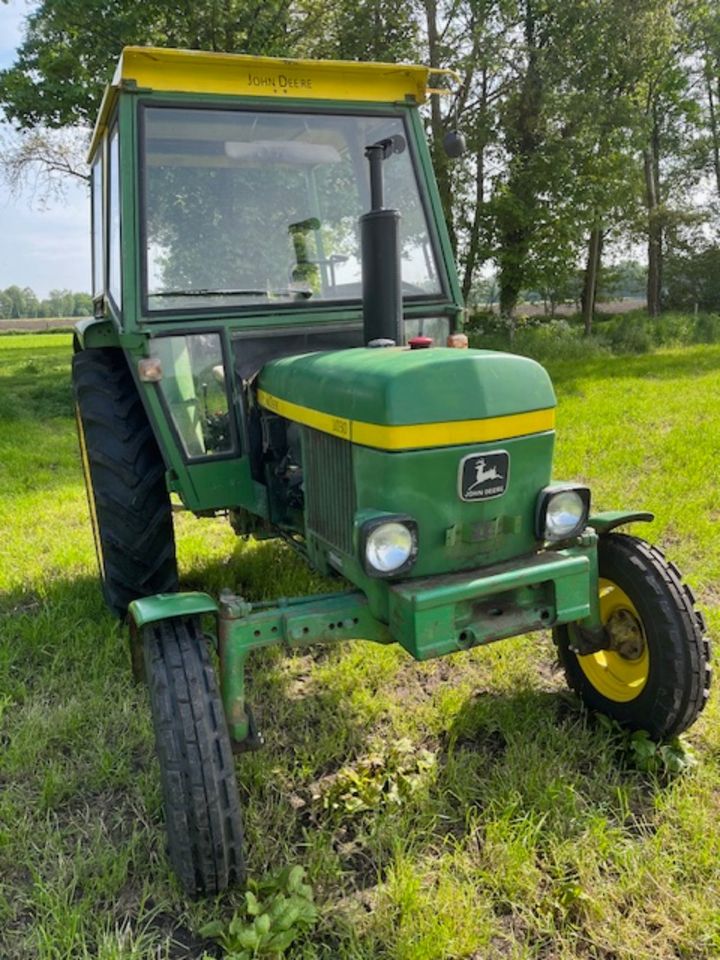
(620, 673)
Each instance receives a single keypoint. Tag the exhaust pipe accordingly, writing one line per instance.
(381, 255)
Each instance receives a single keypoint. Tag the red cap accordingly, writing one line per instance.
(420, 343)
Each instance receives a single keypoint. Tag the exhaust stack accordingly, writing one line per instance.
(380, 247)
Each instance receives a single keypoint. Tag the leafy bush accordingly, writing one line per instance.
(276, 912)
(564, 339)
(630, 334)
(706, 328)
(541, 339)
(693, 279)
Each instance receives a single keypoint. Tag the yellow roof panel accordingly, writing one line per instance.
(196, 71)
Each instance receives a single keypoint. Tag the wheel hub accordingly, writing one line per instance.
(625, 635)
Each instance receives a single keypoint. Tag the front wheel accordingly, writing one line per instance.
(197, 772)
(655, 674)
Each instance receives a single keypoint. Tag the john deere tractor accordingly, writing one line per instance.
(277, 338)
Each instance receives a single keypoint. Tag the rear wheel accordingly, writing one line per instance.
(655, 675)
(125, 480)
(202, 807)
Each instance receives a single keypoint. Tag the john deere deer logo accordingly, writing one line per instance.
(482, 477)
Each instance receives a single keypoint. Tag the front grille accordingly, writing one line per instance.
(329, 488)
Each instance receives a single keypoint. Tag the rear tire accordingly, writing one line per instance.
(197, 771)
(125, 481)
(658, 676)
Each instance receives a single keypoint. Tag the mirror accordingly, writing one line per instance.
(454, 144)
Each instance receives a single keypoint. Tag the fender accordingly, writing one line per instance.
(95, 332)
(607, 521)
(163, 606)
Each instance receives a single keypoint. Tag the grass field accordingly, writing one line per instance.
(525, 832)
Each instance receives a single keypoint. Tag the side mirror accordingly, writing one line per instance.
(454, 144)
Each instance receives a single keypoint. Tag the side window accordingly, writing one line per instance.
(114, 272)
(193, 387)
(98, 246)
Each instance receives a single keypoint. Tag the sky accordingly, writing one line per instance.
(43, 247)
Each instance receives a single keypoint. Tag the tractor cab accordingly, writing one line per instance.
(277, 337)
(227, 196)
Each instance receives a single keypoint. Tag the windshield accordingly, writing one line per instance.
(245, 208)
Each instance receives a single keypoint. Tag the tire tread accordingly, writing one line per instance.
(202, 806)
(684, 672)
(134, 517)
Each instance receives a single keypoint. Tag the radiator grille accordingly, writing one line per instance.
(329, 487)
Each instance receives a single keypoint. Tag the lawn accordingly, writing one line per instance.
(524, 831)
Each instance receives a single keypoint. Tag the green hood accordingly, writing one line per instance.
(396, 386)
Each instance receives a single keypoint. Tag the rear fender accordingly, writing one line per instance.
(95, 332)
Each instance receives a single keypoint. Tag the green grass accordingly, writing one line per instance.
(527, 836)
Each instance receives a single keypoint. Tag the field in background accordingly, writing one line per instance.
(526, 834)
(37, 325)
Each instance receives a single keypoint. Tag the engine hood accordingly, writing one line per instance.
(383, 397)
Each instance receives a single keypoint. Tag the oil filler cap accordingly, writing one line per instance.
(420, 343)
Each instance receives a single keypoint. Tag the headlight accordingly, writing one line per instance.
(562, 512)
(388, 545)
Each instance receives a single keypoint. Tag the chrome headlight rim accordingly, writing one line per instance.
(370, 526)
(545, 498)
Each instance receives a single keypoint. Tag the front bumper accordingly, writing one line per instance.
(439, 615)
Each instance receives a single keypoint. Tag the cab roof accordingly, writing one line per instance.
(196, 71)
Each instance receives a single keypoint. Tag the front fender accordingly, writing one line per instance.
(163, 606)
(609, 519)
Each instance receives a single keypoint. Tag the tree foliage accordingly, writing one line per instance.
(590, 124)
(17, 303)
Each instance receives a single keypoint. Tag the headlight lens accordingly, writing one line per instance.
(562, 512)
(389, 546)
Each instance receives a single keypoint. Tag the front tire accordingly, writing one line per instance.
(197, 771)
(125, 480)
(656, 674)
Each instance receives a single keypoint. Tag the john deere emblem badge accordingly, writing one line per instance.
(483, 476)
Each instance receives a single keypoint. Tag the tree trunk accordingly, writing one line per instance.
(713, 115)
(590, 279)
(516, 221)
(651, 166)
(437, 126)
(473, 249)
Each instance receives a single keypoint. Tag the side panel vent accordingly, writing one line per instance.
(329, 487)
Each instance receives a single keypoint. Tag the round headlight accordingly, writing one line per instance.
(564, 513)
(389, 546)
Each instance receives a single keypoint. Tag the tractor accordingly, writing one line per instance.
(277, 338)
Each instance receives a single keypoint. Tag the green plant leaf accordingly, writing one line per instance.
(295, 878)
(281, 941)
(251, 903)
(248, 938)
(214, 929)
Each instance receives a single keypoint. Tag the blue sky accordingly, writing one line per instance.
(43, 248)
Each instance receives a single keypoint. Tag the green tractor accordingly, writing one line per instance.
(277, 338)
